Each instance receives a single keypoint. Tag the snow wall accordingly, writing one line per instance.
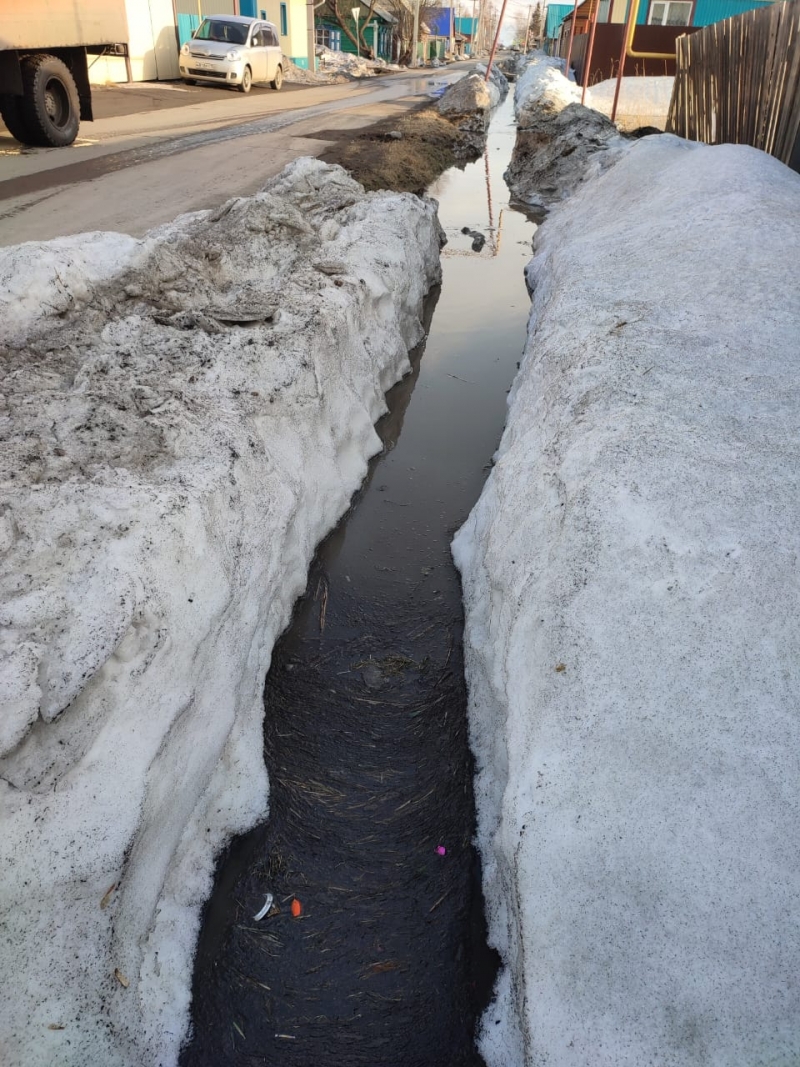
(633, 637)
(183, 418)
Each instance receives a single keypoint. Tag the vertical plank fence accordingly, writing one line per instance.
(738, 82)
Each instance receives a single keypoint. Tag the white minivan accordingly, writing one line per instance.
(231, 50)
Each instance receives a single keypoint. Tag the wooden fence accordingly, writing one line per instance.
(738, 82)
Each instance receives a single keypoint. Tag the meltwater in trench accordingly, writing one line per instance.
(373, 949)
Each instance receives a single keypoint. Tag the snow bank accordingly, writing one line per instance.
(302, 76)
(542, 87)
(496, 78)
(470, 93)
(468, 104)
(633, 641)
(642, 101)
(182, 423)
(353, 66)
(560, 142)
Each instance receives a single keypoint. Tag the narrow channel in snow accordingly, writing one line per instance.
(365, 718)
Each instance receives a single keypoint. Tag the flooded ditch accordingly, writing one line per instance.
(365, 730)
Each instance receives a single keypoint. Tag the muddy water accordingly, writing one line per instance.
(365, 726)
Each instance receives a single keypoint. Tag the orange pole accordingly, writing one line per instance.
(496, 39)
(587, 59)
(571, 35)
(632, 9)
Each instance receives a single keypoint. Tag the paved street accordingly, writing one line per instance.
(156, 151)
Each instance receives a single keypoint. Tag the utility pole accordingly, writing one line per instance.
(311, 35)
(528, 28)
(473, 36)
(415, 40)
(479, 31)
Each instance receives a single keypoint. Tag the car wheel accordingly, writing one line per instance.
(189, 81)
(247, 81)
(277, 81)
(50, 105)
(12, 116)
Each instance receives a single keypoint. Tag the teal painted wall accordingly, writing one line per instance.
(555, 13)
(384, 35)
(708, 11)
(187, 24)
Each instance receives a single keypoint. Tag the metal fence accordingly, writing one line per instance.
(738, 82)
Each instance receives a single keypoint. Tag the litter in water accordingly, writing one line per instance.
(265, 909)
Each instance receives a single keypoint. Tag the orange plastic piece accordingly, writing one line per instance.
(297, 908)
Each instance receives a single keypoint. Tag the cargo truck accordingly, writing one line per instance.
(44, 70)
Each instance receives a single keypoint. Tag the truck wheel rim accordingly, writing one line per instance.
(56, 102)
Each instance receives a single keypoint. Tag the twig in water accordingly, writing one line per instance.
(439, 901)
(466, 380)
(323, 609)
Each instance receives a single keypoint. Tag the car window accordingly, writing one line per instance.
(257, 40)
(271, 36)
(222, 30)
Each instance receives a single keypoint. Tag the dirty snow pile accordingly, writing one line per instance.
(559, 142)
(353, 66)
(302, 76)
(642, 101)
(182, 419)
(468, 104)
(633, 641)
(496, 78)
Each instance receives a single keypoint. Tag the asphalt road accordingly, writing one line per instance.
(156, 151)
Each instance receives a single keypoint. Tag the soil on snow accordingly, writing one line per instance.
(408, 163)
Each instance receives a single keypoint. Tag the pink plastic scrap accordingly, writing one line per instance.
(441, 850)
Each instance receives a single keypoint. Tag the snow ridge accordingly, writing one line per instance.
(632, 636)
(181, 425)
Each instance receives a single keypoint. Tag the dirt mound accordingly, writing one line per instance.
(404, 154)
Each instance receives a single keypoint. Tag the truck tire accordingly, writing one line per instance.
(50, 106)
(11, 114)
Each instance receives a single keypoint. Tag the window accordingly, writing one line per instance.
(328, 38)
(257, 40)
(670, 13)
(270, 36)
(218, 30)
(284, 21)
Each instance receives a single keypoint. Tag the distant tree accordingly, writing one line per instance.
(339, 11)
(537, 25)
(404, 26)
(520, 29)
(489, 29)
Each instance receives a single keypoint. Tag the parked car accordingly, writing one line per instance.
(235, 51)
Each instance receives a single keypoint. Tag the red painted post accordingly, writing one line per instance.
(496, 39)
(587, 59)
(571, 35)
(631, 8)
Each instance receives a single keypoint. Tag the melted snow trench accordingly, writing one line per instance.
(365, 727)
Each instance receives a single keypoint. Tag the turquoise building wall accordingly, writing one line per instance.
(707, 12)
